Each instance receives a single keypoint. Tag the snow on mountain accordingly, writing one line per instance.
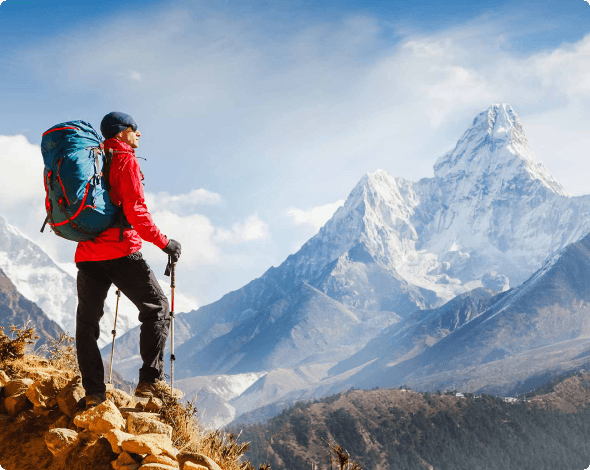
(213, 395)
(545, 318)
(17, 310)
(41, 280)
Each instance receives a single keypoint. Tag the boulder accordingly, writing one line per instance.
(119, 397)
(16, 403)
(16, 387)
(139, 423)
(154, 444)
(163, 459)
(101, 419)
(197, 459)
(61, 441)
(71, 398)
(116, 438)
(42, 393)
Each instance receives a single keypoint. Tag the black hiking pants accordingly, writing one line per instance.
(132, 275)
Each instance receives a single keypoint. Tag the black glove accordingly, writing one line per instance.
(172, 250)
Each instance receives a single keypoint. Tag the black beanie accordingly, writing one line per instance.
(115, 122)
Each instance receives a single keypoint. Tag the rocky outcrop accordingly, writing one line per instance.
(118, 430)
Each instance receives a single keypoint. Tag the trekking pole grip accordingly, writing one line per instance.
(167, 271)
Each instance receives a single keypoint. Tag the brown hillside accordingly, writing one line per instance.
(402, 429)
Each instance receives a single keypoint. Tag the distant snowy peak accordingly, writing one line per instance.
(495, 147)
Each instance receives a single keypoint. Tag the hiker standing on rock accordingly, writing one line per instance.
(114, 258)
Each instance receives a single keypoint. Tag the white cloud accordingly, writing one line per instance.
(314, 217)
(183, 204)
(250, 230)
(22, 167)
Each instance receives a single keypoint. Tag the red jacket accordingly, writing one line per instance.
(127, 190)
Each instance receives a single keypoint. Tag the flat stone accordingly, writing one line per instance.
(157, 466)
(116, 438)
(61, 441)
(163, 459)
(16, 387)
(101, 419)
(138, 423)
(198, 459)
(154, 444)
(193, 466)
(126, 411)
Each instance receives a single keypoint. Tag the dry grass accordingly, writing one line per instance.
(14, 347)
(61, 353)
(190, 435)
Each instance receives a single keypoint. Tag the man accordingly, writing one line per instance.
(114, 258)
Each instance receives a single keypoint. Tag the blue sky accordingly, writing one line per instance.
(258, 118)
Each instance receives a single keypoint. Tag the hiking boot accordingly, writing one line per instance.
(94, 400)
(158, 389)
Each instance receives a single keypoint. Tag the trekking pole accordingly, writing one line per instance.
(114, 332)
(172, 357)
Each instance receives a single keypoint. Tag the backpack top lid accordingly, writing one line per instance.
(67, 138)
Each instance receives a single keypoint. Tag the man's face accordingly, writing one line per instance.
(129, 136)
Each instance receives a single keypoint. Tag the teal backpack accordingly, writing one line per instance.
(76, 182)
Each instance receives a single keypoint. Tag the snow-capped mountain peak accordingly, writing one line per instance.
(495, 149)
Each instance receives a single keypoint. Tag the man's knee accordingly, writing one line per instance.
(156, 311)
